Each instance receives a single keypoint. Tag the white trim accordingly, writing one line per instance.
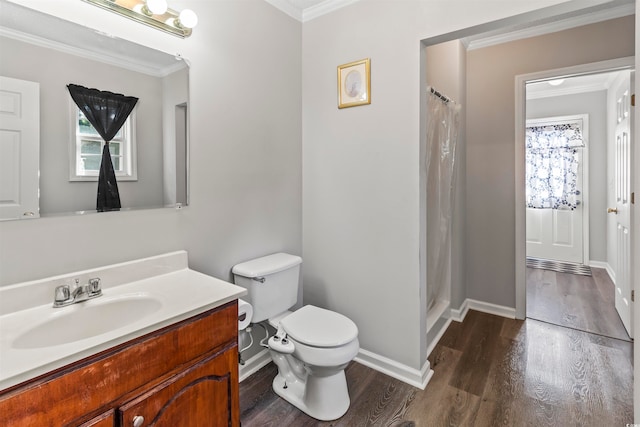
(287, 7)
(307, 14)
(550, 27)
(520, 121)
(323, 8)
(461, 313)
(487, 307)
(417, 378)
(404, 373)
(482, 306)
(598, 264)
(437, 338)
(414, 377)
(254, 364)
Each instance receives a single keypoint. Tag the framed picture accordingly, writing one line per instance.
(354, 83)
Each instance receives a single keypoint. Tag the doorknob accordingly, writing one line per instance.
(612, 210)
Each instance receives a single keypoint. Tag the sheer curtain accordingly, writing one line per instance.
(107, 112)
(443, 121)
(552, 165)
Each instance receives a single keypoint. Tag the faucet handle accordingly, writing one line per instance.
(61, 295)
(94, 286)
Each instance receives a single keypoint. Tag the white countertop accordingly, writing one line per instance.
(180, 292)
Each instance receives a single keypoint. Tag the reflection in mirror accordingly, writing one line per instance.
(53, 53)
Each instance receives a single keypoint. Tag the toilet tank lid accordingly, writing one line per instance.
(265, 265)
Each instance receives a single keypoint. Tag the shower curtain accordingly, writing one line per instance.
(443, 121)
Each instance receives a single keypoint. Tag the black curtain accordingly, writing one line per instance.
(107, 112)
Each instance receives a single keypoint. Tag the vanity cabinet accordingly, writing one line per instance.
(185, 374)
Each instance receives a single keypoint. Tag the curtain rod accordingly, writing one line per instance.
(444, 98)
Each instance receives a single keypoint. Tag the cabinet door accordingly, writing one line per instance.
(205, 394)
(104, 420)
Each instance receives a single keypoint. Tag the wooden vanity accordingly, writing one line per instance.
(185, 374)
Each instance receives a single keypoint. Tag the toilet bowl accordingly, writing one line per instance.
(311, 346)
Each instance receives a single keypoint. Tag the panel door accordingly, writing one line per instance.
(622, 210)
(205, 394)
(19, 148)
(557, 234)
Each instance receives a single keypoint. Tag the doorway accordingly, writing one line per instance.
(584, 301)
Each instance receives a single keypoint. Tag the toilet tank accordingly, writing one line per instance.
(271, 282)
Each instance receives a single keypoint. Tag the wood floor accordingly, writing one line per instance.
(488, 371)
(586, 303)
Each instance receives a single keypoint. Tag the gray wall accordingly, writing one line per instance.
(245, 153)
(490, 203)
(594, 104)
(54, 70)
(363, 204)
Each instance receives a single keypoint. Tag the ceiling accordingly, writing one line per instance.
(572, 85)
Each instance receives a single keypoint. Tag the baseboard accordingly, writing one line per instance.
(485, 307)
(404, 373)
(461, 313)
(606, 266)
(254, 364)
(414, 377)
(437, 338)
(374, 361)
(598, 264)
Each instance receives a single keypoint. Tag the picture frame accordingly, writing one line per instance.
(354, 83)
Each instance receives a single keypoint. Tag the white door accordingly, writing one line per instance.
(558, 234)
(622, 211)
(19, 148)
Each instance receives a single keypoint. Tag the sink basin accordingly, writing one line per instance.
(87, 319)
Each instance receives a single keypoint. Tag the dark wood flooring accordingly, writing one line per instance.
(488, 371)
(586, 303)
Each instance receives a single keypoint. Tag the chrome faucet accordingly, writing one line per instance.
(64, 296)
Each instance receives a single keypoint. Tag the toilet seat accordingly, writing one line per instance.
(317, 327)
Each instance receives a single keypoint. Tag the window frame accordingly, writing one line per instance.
(128, 151)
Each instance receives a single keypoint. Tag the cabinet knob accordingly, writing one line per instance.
(138, 420)
(612, 210)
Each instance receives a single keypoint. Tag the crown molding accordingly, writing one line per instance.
(481, 41)
(307, 14)
(110, 59)
(323, 8)
(287, 7)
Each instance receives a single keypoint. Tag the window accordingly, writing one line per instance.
(552, 162)
(86, 149)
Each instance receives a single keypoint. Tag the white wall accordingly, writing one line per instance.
(245, 152)
(594, 104)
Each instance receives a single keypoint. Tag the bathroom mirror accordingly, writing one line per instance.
(36, 47)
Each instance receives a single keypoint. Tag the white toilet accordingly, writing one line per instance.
(312, 346)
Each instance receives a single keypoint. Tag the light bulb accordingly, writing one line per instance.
(556, 82)
(188, 18)
(157, 7)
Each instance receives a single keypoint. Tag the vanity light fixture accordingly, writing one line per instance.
(154, 13)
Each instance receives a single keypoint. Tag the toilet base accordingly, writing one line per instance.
(323, 398)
